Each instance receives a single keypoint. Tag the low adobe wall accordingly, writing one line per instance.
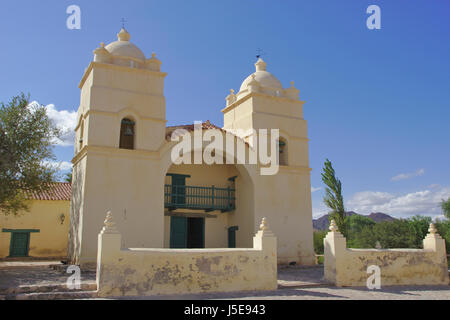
(348, 267)
(138, 272)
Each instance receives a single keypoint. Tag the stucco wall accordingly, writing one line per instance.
(348, 267)
(130, 272)
(120, 181)
(51, 240)
(216, 233)
(130, 182)
(285, 200)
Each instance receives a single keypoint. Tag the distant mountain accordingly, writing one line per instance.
(322, 223)
(380, 217)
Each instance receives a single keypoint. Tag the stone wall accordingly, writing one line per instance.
(348, 267)
(133, 272)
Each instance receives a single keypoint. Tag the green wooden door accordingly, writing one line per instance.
(179, 189)
(178, 232)
(187, 232)
(19, 244)
(232, 236)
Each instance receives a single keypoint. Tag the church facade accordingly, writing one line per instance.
(124, 163)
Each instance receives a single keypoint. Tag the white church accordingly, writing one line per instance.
(122, 163)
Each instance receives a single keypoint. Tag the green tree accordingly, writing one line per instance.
(445, 205)
(355, 225)
(443, 228)
(390, 234)
(333, 196)
(26, 135)
(393, 234)
(364, 238)
(318, 241)
(419, 227)
(68, 177)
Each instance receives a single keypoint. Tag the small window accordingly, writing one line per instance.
(80, 141)
(282, 155)
(126, 134)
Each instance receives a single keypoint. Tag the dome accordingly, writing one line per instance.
(264, 78)
(123, 47)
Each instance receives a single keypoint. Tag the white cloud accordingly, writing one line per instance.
(320, 211)
(315, 189)
(60, 165)
(425, 202)
(65, 120)
(403, 176)
(65, 166)
(370, 198)
(439, 217)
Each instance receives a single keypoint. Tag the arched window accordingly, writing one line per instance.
(126, 134)
(80, 141)
(283, 152)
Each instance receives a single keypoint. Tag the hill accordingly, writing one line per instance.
(322, 223)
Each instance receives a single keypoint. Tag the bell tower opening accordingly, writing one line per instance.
(126, 134)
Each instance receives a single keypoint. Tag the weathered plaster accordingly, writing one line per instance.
(132, 272)
(348, 267)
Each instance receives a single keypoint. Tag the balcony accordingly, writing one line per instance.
(199, 198)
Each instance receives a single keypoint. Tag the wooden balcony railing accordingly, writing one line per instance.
(199, 198)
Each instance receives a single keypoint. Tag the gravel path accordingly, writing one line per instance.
(15, 274)
(294, 283)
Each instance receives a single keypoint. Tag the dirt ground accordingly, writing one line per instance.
(295, 283)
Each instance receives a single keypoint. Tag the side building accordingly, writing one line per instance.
(41, 232)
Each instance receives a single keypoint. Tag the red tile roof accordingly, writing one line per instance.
(58, 191)
(190, 127)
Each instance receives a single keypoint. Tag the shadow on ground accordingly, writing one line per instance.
(294, 283)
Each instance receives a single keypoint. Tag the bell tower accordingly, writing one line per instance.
(285, 197)
(121, 83)
(121, 121)
(262, 103)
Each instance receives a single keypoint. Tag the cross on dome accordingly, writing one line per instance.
(260, 65)
(262, 76)
(124, 48)
(123, 35)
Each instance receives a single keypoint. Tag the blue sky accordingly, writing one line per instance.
(377, 101)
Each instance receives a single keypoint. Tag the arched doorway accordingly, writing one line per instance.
(208, 206)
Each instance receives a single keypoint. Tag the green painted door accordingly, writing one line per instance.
(232, 236)
(178, 232)
(179, 189)
(19, 244)
(187, 232)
